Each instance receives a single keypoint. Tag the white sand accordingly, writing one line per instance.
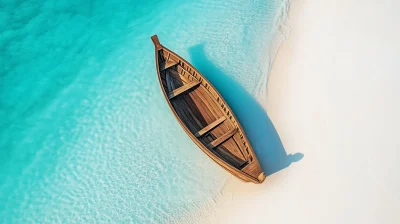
(333, 95)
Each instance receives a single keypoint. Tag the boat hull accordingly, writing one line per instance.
(205, 116)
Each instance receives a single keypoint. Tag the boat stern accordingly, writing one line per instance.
(261, 177)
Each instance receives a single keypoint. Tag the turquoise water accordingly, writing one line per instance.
(86, 136)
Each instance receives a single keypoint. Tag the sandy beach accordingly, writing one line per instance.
(332, 97)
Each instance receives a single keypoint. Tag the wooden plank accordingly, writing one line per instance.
(176, 75)
(205, 97)
(241, 146)
(232, 146)
(187, 114)
(210, 102)
(210, 127)
(221, 139)
(168, 78)
(182, 89)
(252, 168)
(167, 64)
(230, 158)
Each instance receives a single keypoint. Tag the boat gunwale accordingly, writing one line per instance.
(230, 168)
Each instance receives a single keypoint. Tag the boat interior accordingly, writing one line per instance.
(203, 113)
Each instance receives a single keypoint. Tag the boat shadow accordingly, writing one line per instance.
(253, 118)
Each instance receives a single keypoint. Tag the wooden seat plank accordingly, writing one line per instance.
(182, 89)
(209, 127)
(176, 75)
(221, 139)
(167, 64)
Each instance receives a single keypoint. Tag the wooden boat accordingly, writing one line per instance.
(205, 116)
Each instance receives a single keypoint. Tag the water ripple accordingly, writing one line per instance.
(86, 136)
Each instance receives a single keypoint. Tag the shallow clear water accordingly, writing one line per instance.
(86, 136)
